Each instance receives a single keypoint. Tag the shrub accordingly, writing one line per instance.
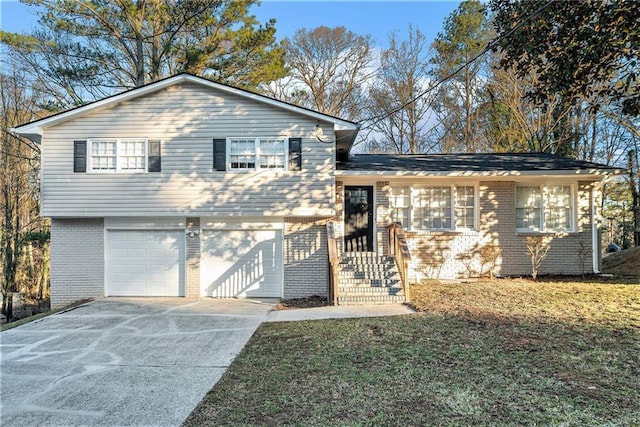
(537, 248)
(489, 254)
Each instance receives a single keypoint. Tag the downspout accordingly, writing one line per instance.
(595, 241)
(595, 221)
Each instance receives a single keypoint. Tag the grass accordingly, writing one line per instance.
(623, 262)
(506, 352)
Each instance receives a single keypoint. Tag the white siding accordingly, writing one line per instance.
(186, 118)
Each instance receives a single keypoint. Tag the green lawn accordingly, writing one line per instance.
(501, 353)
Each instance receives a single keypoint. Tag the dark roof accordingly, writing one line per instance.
(495, 162)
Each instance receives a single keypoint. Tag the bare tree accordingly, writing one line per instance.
(19, 187)
(332, 65)
(399, 100)
(518, 124)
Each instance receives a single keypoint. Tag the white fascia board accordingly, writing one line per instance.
(594, 174)
(36, 128)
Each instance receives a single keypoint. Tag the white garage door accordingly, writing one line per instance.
(145, 263)
(241, 263)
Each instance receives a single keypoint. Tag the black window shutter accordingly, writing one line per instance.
(295, 154)
(154, 157)
(220, 154)
(79, 156)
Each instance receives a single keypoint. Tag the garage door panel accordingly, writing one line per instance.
(145, 263)
(241, 263)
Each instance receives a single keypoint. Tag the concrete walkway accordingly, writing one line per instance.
(339, 312)
(133, 361)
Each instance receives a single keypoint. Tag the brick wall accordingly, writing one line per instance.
(382, 216)
(193, 258)
(77, 260)
(305, 257)
(444, 254)
(338, 220)
(570, 253)
(457, 254)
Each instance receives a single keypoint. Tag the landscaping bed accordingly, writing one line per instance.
(27, 307)
(502, 352)
(295, 303)
(29, 312)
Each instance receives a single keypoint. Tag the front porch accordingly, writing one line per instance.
(368, 257)
(366, 277)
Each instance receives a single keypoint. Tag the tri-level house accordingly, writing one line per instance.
(186, 187)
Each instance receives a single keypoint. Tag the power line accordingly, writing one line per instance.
(489, 47)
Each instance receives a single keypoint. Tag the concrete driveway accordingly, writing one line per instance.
(121, 361)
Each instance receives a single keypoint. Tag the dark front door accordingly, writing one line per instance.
(358, 218)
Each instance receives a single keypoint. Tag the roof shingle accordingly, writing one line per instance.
(494, 162)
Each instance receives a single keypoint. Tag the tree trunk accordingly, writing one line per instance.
(139, 61)
(28, 279)
(44, 271)
(7, 306)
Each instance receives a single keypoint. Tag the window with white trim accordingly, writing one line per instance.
(544, 208)
(465, 207)
(117, 155)
(257, 153)
(433, 207)
(400, 204)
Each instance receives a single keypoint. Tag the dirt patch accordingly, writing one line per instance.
(309, 302)
(626, 262)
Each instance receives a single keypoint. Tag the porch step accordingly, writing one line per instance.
(365, 260)
(367, 278)
(370, 299)
(369, 291)
(377, 283)
(371, 274)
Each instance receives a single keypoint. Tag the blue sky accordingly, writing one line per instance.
(378, 18)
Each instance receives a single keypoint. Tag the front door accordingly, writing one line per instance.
(358, 218)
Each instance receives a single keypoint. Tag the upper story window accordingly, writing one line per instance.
(433, 207)
(117, 155)
(257, 153)
(544, 208)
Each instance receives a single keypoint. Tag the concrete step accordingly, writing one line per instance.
(368, 275)
(369, 291)
(377, 283)
(359, 261)
(370, 299)
(367, 278)
(371, 267)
